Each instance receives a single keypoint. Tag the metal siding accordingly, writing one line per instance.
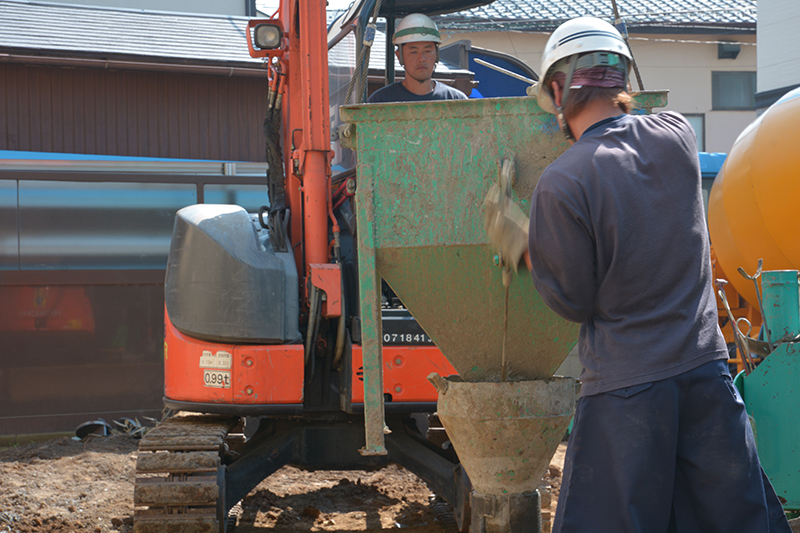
(121, 98)
(184, 117)
(132, 116)
(99, 112)
(3, 106)
(106, 117)
(163, 144)
(9, 229)
(9, 116)
(47, 108)
(59, 101)
(240, 135)
(223, 126)
(255, 129)
(67, 225)
(22, 109)
(131, 113)
(70, 109)
(34, 107)
(215, 141)
(202, 121)
(175, 114)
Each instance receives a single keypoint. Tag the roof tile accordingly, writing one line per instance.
(65, 29)
(642, 15)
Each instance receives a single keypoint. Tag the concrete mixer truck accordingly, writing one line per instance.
(753, 224)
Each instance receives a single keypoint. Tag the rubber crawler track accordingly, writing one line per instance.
(178, 469)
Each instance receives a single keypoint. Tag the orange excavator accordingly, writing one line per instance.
(262, 354)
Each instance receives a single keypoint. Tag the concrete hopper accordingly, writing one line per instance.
(505, 433)
(423, 172)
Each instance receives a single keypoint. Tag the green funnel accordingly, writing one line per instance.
(428, 168)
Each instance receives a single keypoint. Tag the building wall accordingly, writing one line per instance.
(683, 68)
(131, 113)
(778, 50)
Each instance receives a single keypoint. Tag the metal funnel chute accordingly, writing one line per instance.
(426, 179)
(505, 433)
(457, 296)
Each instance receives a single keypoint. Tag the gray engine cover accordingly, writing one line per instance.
(224, 281)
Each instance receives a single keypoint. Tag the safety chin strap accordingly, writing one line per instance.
(560, 109)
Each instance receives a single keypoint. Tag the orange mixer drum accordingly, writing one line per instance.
(754, 206)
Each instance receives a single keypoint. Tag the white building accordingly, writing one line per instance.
(778, 50)
(704, 53)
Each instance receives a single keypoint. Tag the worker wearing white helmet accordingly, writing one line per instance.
(617, 241)
(584, 52)
(417, 40)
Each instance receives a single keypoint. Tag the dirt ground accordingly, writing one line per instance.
(66, 485)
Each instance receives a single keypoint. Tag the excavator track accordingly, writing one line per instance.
(180, 476)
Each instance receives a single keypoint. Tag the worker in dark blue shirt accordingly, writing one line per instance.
(417, 39)
(617, 242)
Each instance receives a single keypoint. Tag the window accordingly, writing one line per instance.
(698, 123)
(733, 91)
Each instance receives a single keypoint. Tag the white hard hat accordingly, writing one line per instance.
(577, 36)
(414, 28)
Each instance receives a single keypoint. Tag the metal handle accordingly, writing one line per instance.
(504, 71)
(741, 344)
(754, 278)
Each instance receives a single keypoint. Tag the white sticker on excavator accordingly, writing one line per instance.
(220, 359)
(217, 378)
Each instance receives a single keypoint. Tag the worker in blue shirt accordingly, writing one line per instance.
(617, 241)
(417, 40)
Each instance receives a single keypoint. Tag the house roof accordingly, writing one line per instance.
(65, 30)
(641, 16)
(32, 30)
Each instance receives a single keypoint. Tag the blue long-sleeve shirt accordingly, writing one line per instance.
(397, 92)
(618, 243)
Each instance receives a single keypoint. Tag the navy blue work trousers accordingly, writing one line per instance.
(672, 456)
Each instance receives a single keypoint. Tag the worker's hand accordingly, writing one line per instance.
(507, 227)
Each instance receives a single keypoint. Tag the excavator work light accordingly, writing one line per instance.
(268, 36)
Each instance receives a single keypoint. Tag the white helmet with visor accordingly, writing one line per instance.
(414, 28)
(580, 37)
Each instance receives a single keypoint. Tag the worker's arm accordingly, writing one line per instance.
(561, 251)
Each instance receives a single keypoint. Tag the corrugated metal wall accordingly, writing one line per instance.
(105, 357)
(131, 113)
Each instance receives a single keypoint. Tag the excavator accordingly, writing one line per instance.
(262, 353)
(265, 361)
